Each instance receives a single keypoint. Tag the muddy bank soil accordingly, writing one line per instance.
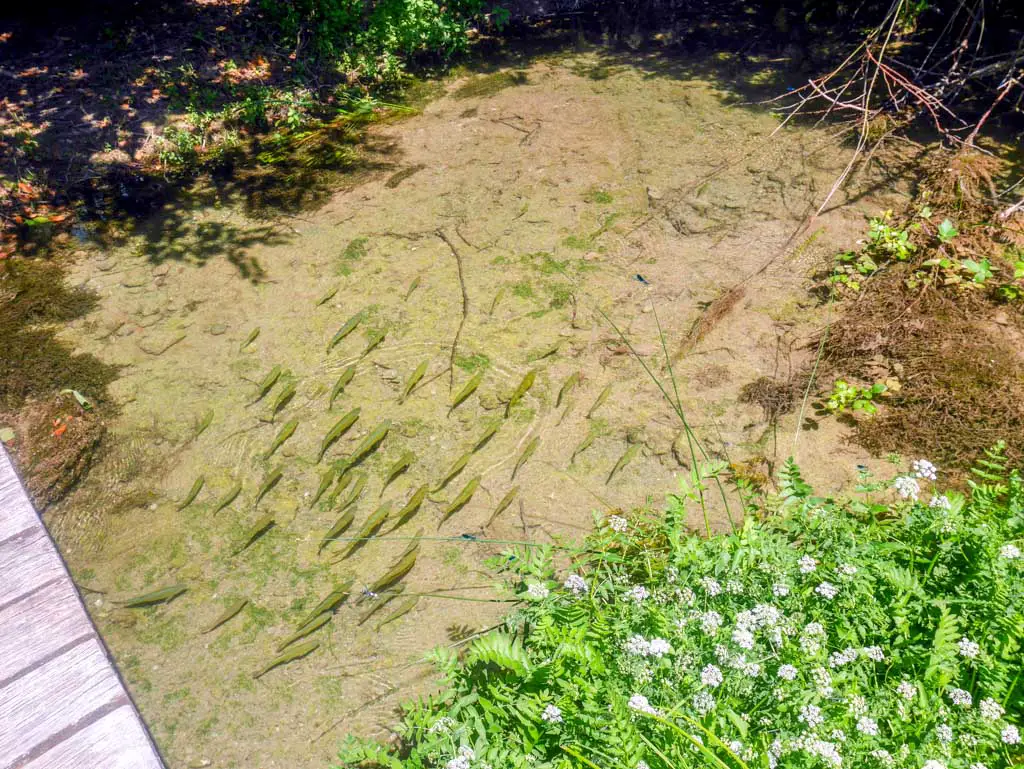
(509, 220)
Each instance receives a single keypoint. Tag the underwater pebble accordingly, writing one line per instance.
(217, 329)
(104, 265)
(134, 279)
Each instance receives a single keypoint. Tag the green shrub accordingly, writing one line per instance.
(883, 630)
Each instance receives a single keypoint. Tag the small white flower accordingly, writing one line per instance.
(907, 487)
(883, 755)
(537, 591)
(711, 586)
(703, 703)
(867, 726)
(780, 590)
(977, 765)
(659, 647)
(933, 764)
(442, 725)
(924, 469)
(906, 690)
(811, 715)
(807, 564)
(637, 593)
(858, 705)
(822, 682)
(458, 763)
(941, 502)
(846, 570)
(990, 709)
(710, 621)
(874, 653)
(467, 753)
(638, 646)
(827, 590)
(838, 735)
(787, 672)
(1009, 552)
(711, 676)
(743, 638)
(617, 523)
(687, 596)
(1010, 735)
(576, 584)
(639, 702)
(969, 648)
(733, 587)
(751, 669)
(552, 714)
(642, 765)
(961, 697)
(846, 656)
(944, 732)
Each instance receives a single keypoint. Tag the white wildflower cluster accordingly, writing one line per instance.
(845, 657)
(640, 703)
(906, 690)
(969, 648)
(442, 725)
(552, 714)
(822, 682)
(463, 760)
(807, 564)
(873, 653)
(637, 593)
(787, 672)
(961, 697)
(638, 646)
(811, 716)
(1010, 552)
(907, 487)
(815, 746)
(858, 705)
(944, 733)
(537, 592)
(846, 570)
(617, 523)
(827, 590)
(711, 676)
(990, 709)
(867, 726)
(812, 637)
(780, 590)
(924, 470)
(711, 586)
(1010, 735)
(703, 703)
(734, 587)
(883, 756)
(940, 501)
(575, 584)
(710, 622)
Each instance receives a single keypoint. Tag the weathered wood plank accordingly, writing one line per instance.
(39, 625)
(116, 741)
(16, 513)
(50, 702)
(27, 562)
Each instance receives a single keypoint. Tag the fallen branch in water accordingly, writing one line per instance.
(465, 306)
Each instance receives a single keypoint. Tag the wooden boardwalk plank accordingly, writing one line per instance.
(83, 683)
(40, 625)
(16, 513)
(62, 704)
(97, 746)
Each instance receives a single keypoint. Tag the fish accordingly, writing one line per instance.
(267, 384)
(163, 595)
(567, 386)
(286, 432)
(228, 498)
(344, 331)
(410, 508)
(192, 493)
(466, 391)
(370, 527)
(525, 456)
(497, 298)
(340, 385)
(569, 405)
(250, 339)
(203, 423)
(600, 401)
(402, 464)
(492, 427)
(414, 380)
(229, 613)
(344, 479)
(261, 527)
(332, 601)
(401, 567)
(297, 652)
(582, 446)
(339, 528)
(503, 505)
(461, 500)
(340, 428)
(272, 478)
(457, 467)
(326, 479)
(370, 443)
(327, 297)
(382, 600)
(412, 287)
(372, 342)
(520, 391)
(544, 352)
(624, 460)
(404, 608)
(357, 490)
(282, 399)
(310, 627)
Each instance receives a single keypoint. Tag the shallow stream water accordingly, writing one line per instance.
(595, 190)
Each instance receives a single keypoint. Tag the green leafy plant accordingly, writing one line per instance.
(880, 630)
(979, 271)
(845, 396)
(887, 241)
(947, 231)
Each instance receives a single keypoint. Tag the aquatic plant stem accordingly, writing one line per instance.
(465, 306)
